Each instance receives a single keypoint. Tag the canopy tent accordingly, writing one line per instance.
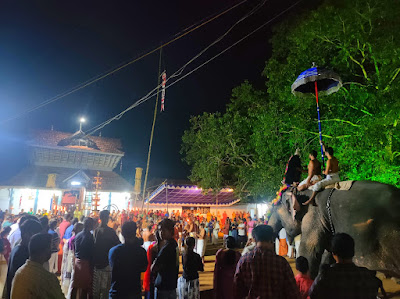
(182, 195)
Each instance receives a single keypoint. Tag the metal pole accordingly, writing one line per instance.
(319, 123)
(166, 195)
(152, 131)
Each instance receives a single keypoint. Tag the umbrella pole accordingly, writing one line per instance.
(319, 123)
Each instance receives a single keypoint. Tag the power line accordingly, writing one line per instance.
(151, 93)
(179, 71)
(254, 10)
(97, 78)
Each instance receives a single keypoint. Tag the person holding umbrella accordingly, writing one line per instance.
(331, 172)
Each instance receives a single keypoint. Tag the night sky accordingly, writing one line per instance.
(48, 47)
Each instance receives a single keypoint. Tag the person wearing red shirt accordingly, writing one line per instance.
(303, 279)
(224, 216)
(124, 217)
(64, 225)
(6, 244)
(226, 228)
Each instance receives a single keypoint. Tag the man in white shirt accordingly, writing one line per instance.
(15, 234)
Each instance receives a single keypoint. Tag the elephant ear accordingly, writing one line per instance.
(286, 199)
(301, 198)
(288, 204)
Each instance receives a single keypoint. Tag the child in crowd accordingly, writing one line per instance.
(303, 279)
(188, 283)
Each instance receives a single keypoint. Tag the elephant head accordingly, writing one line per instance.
(281, 216)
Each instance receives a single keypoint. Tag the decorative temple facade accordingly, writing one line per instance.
(181, 196)
(63, 172)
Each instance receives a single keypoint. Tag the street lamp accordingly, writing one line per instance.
(82, 120)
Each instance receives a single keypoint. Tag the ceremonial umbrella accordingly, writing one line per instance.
(313, 81)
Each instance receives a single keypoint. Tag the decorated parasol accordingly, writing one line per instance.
(317, 81)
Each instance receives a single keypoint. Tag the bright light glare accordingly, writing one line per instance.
(82, 120)
(75, 183)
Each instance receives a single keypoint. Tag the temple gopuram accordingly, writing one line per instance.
(68, 170)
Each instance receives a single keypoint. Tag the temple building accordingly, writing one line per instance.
(184, 196)
(62, 174)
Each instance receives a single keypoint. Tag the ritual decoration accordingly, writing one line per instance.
(313, 81)
(53, 204)
(164, 81)
(277, 199)
(96, 199)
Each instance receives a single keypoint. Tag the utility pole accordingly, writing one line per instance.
(152, 130)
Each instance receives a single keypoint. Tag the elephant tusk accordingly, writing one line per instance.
(363, 224)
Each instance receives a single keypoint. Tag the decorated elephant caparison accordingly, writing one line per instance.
(369, 212)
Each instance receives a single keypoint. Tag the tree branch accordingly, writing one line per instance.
(362, 110)
(396, 72)
(324, 135)
(342, 121)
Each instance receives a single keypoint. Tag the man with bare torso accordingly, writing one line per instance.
(331, 172)
(191, 228)
(148, 236)
(314, 172)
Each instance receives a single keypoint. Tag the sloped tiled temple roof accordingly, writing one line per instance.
(53, 138)
(74, 150)
(68, 157)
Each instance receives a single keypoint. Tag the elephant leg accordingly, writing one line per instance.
(314, 241)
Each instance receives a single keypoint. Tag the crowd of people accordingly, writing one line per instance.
(85, 252)
(126, 255)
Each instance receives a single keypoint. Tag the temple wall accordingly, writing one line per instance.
(4, 199)
(258, 210)
(161, 207)
(24, 198)
(118, 200)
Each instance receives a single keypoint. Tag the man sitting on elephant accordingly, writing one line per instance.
(314, 176)
(331, 172)
(314, 172)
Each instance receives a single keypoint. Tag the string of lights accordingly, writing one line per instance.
(153, 92)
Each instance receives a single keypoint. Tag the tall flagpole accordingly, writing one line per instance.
(152, 130)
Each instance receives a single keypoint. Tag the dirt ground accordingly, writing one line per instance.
(206, 280)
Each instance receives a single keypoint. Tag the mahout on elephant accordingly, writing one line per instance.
(368, 211)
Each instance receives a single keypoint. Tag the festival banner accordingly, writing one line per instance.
(164, 81)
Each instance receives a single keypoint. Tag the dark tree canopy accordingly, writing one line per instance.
(248, 146)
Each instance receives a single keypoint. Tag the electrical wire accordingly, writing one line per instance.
(152, 94)
(97, 78)
(180, 70)
(254, 10)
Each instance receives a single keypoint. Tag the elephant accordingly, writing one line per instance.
(369, 212)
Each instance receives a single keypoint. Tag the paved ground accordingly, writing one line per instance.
(206, 278)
